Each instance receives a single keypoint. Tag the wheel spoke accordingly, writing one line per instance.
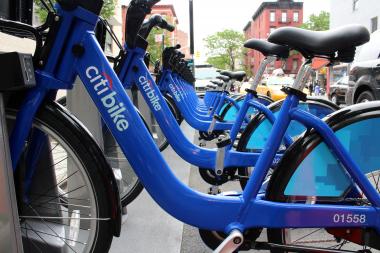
(52, 230)
(53, 187)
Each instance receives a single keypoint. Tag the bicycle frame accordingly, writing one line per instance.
(204, 158)
(248, 102)
(220, 213)
(169, 83)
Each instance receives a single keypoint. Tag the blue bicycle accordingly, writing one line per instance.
(331, 185)
(211, 171)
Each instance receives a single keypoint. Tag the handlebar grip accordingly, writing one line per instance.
(148, 3)
(170, 28)
(165, 25)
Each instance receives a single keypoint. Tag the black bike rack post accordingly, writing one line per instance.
(17, 10)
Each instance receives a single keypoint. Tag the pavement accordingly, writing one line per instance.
(147, 228)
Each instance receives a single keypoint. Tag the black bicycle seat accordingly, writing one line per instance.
(217, 82)
(267, 48)
(338, 44)
(223, 78)
(237, 75)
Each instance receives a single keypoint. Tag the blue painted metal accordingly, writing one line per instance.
(219, 213)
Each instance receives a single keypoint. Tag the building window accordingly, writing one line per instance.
(355, 5)
(295, 16)
(272, 17)
(284, 17)
(374, 23)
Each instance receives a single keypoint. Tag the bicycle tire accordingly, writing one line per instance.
(174, 108)
(94, 167)
(302, 150)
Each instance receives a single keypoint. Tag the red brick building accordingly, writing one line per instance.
(168, 11)
(268, 17)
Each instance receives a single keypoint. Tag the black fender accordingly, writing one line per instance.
(295, 154)
(107, 173)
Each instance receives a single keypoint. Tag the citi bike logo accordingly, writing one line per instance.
(103, 88)
(175, 92)
(150, 92)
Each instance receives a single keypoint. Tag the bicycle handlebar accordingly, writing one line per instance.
(165, 25)
(154, 20)
(137, 11)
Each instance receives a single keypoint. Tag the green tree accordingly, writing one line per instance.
(155, 48)
(107, 10)
(225, 49)
(319, 22)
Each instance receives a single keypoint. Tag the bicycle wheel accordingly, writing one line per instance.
(255, 135)
(174, 108)
(309, 173)
(129, 185)
(66, 205)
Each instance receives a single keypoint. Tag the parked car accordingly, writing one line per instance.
(203, 75)
(338, 91)
(364, 81)
(272, 86)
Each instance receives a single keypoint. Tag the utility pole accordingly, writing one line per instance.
(191, 32)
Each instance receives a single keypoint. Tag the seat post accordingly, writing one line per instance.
(302, 76)
(267, 60)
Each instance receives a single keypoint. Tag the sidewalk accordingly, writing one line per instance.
(149, 229)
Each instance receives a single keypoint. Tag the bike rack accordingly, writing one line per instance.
(10, 232)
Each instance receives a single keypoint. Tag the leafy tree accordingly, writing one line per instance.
(247, 67)
(107, 10)
(155, 48)
(225, 49)
(319, 22)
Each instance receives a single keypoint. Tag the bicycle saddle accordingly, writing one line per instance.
(211, 86)
(338, 44)
(223, 78)
(267, 48)
(238, 75)
(217, 82)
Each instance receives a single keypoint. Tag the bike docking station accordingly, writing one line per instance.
(18, 72)
(10, 233)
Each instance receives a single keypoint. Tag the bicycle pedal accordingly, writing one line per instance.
(231, 243)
